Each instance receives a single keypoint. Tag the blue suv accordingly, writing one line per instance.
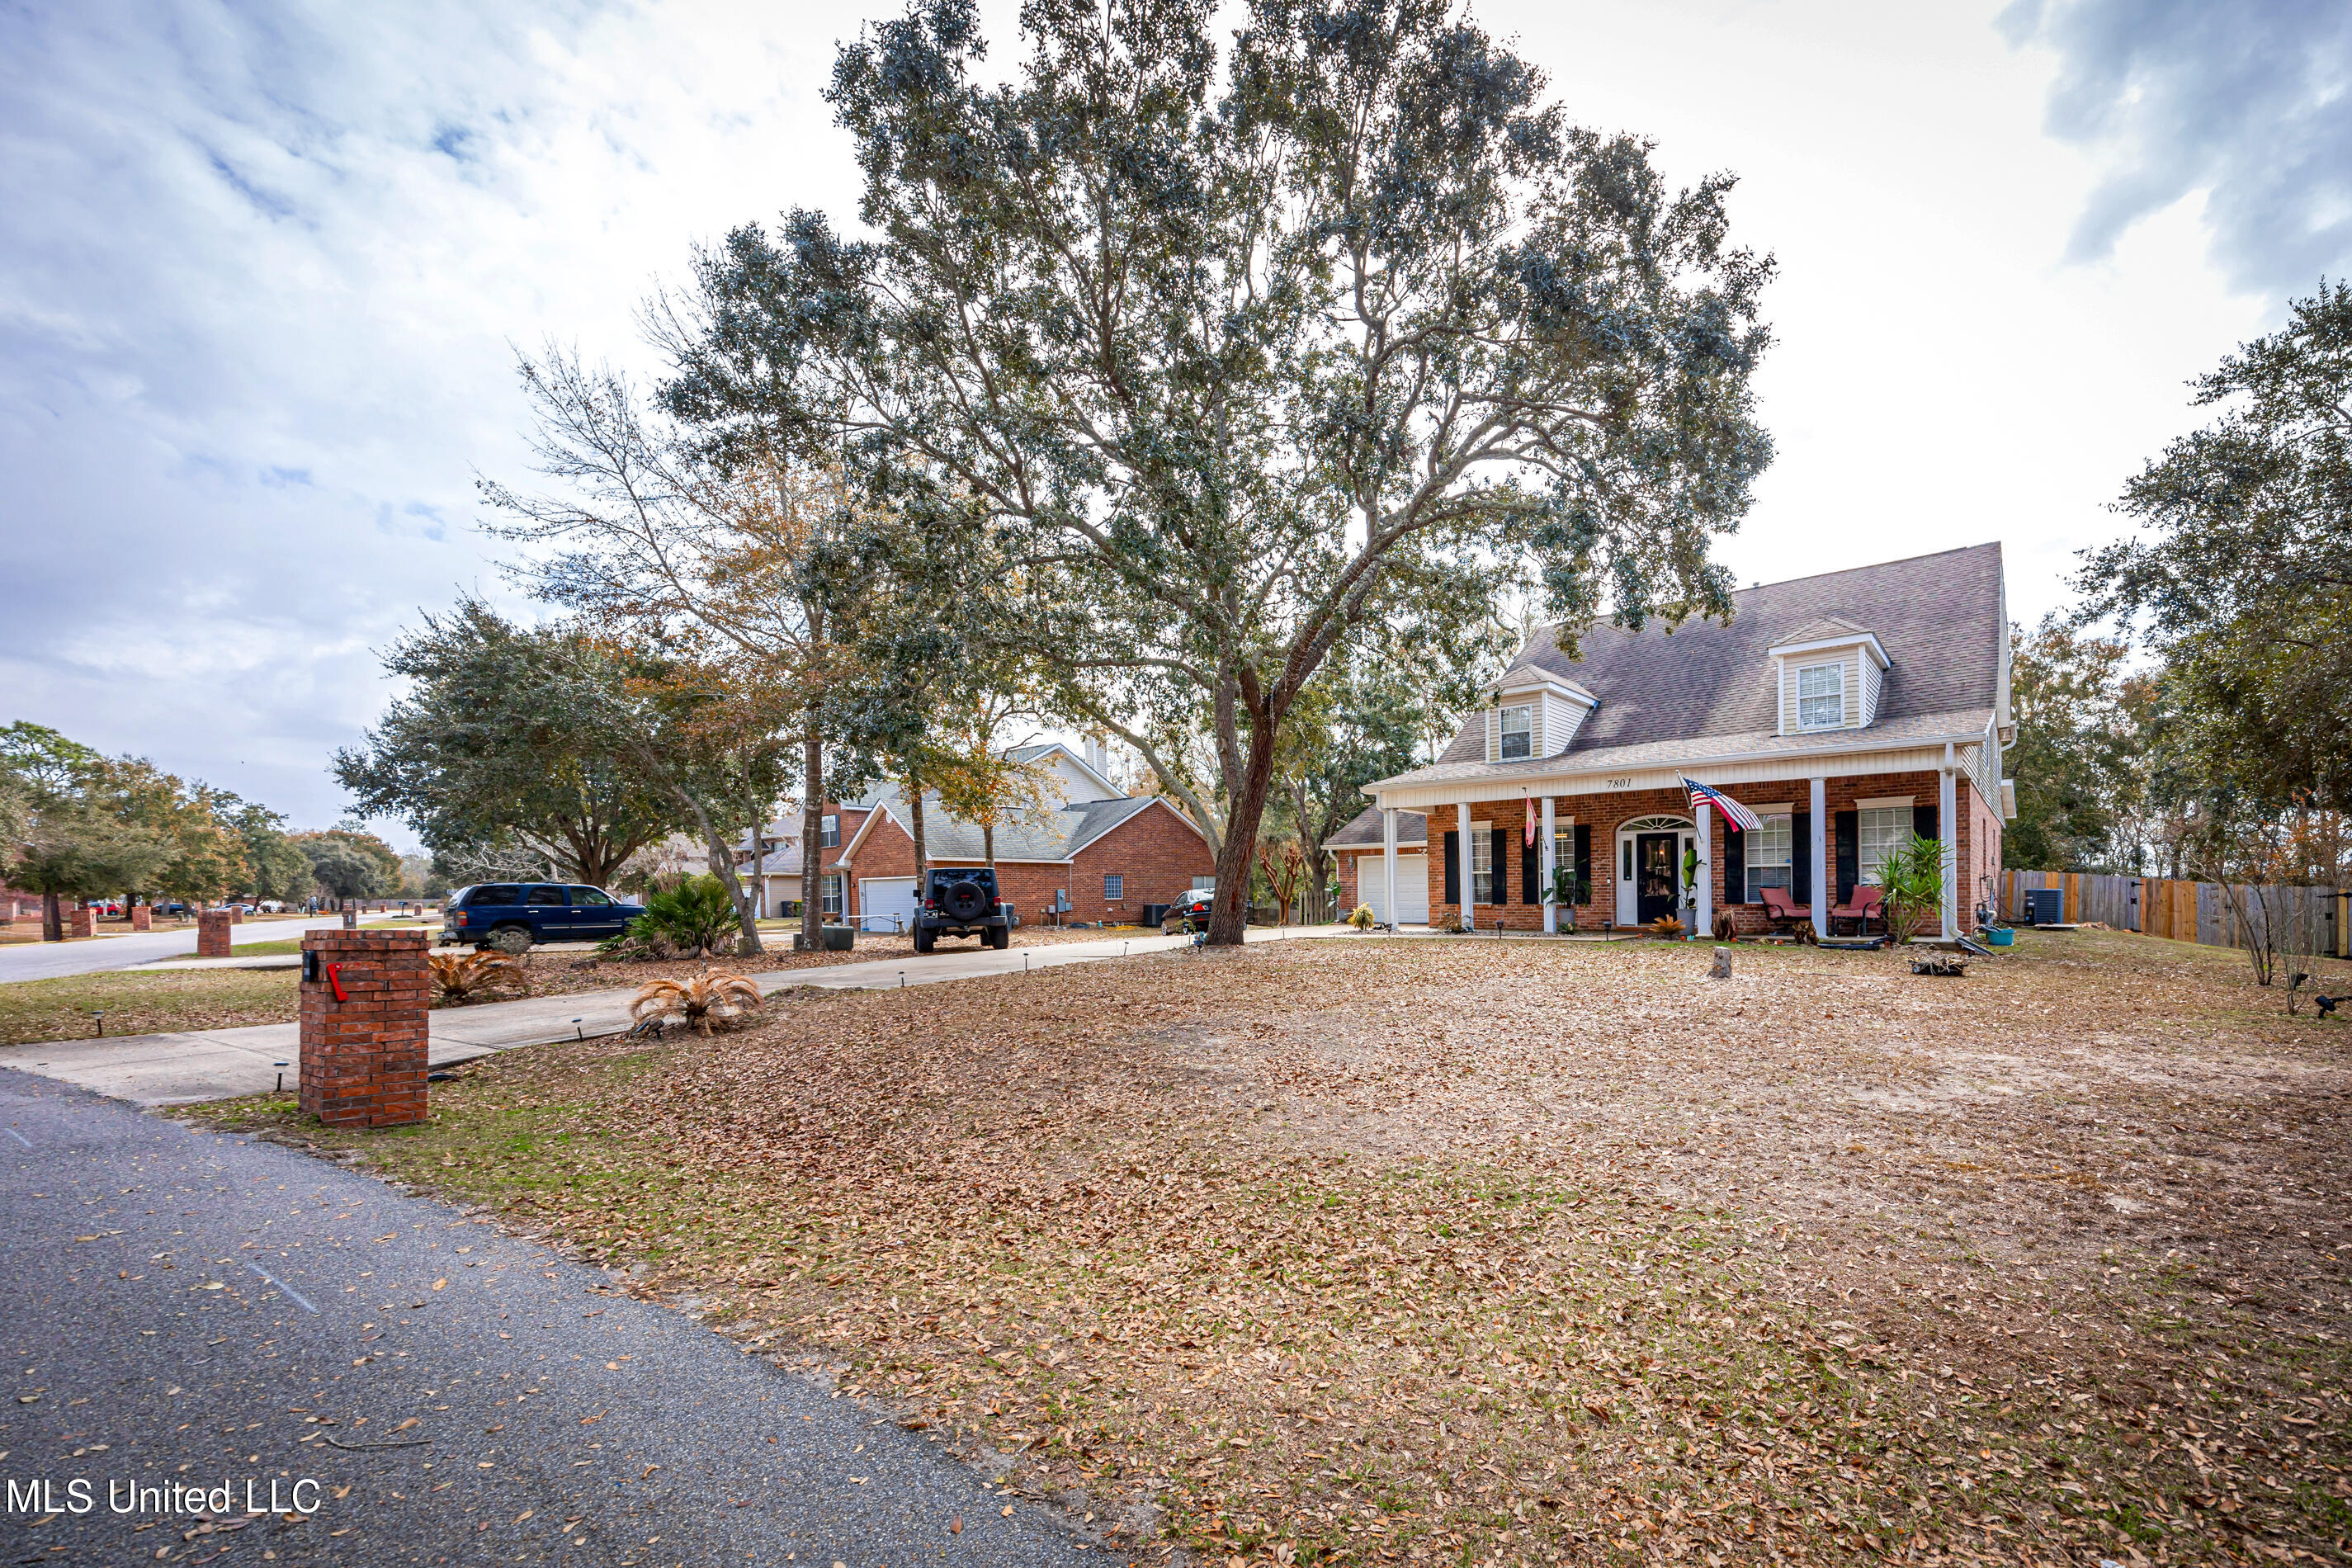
(545, 911)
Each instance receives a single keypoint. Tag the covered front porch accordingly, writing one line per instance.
(1631, 844)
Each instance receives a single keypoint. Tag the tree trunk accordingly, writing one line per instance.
(922, 851)
(988, 849)
(812, 833)
(1229, 915)
(53, 920)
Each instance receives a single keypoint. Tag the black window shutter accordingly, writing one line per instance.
(1584, 857)
(1530, 873)
(1453, 868)
(1923, 821)
(1849, 853)
(1498, 856)
(1735, 868)
(1801, 859)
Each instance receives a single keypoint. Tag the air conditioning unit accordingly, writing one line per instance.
(2045, 906)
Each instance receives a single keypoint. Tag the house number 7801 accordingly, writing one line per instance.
(1620, 783)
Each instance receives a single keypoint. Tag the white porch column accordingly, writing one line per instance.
(1462, 831)
(1388, 861)
(1548, 861)
(1702, 912)
(1946, 808)
(1820, 851)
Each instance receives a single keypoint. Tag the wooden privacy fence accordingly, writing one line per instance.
(2190, 911)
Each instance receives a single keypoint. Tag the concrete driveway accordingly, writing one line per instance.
(353, 1376)
(217, 1064)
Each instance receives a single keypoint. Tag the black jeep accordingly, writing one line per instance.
(960, 900)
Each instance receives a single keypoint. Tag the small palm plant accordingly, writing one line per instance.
(460, 976)
(1361, 917)
(1912, 875)
(694, 917)
(705, 1000)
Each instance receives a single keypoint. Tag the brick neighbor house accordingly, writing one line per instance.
(1848, 710)
(1105, 852)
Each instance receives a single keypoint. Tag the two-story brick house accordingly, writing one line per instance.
(1848, 710)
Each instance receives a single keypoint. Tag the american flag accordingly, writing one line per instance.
(1741, 819)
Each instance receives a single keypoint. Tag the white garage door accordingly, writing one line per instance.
(879, 898)
(1412, 886)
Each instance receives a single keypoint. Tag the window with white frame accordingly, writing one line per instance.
(1207, 883)
(1769, 849)
(829, 833)
(1482, 864)
(1821, 697)
(1518, 732)
(1883, 830)
(1114, 887)
(829, 895)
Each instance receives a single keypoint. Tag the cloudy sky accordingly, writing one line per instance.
(263, 263)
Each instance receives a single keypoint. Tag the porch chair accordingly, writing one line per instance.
(1779, 908)
(1864, 906)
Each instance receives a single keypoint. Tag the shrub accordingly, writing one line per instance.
(701, 1002)
(1361, 917)
(695, 917)
(458, 975)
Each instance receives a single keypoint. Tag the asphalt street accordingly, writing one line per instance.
(49, 960)
(200, 1310)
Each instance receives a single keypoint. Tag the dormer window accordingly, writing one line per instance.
(1821, 697)
(1519, 733)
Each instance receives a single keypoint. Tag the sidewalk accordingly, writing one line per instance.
(220, 1064)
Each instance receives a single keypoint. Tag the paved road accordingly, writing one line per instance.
(196, 1309)
(215, 1064)
(48, 960)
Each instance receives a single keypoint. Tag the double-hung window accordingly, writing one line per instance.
(829, 896)
(1883, 829)
(1482, 864)
(1769, 848)
(828, 835)
(1519, 733)
(1821, 697)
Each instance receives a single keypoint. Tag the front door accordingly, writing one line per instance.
(1653, 877)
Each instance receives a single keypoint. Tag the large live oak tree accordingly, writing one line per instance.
(1241, 347)
(2241, 576)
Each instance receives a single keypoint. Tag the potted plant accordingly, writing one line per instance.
(1568, 892)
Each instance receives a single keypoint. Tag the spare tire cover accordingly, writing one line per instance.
(964, 900)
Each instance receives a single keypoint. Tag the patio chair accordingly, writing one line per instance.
(1780, 908)
(1864, 906)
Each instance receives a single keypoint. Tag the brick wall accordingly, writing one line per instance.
(363, 1054)
(1156, 853)
(80, 921)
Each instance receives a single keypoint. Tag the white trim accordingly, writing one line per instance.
(1782, 810)
(1823, 645)
(1885, 803)
(1541, 682)
(1922, 753)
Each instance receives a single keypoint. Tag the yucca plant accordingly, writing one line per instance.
(459, 976)
(701, 1002)
(695, 917)
(1913, 878)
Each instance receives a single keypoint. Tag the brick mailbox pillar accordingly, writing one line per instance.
(362, 1061)
(212, 934)
(142, 918)
(81, 922)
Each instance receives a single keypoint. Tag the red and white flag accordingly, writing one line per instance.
(1531, 822)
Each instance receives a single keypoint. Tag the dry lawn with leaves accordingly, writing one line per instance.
(1365, 1250)
(144, 1003)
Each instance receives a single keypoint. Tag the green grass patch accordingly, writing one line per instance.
(139, 1001)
